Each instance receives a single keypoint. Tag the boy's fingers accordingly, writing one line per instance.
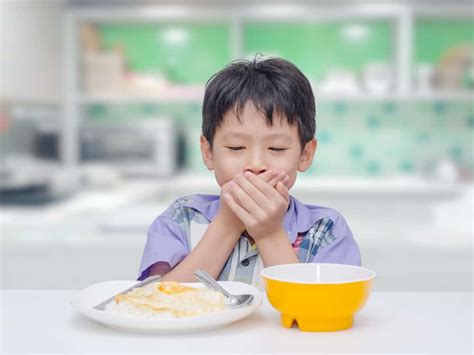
(271, 177)
(234, 206)
(283, 190)
(266, 189)
(253, 192)
(280, 177)
(226, 188)
(243, 198)
(268, 175)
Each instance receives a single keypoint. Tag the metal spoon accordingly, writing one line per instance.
(234, 300)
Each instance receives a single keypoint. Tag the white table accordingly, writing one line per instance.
(44, 321)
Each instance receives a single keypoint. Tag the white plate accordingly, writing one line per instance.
(93, 295)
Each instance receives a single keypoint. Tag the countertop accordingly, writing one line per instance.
(395, 322)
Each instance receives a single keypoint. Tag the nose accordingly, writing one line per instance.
(256, 171)
(256, 164)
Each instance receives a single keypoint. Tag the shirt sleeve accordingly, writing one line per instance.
(166, 242)
(343, 250)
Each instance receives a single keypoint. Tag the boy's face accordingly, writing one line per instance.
(251, 144)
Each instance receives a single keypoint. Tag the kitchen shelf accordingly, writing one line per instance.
(196, 96)
(402, 16)
(188, 96)
(408, 96)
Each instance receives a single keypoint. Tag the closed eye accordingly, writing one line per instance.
(277, 149)
(236, 148)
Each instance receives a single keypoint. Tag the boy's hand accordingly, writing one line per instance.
(260, 206)
(270, 177)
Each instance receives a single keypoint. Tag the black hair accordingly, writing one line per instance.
(271, 85)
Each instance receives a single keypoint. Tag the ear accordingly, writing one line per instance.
(307, 155)
(206, 151)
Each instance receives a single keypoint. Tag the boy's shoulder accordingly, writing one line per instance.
(207, 205)
(310, 215)
(321, 211)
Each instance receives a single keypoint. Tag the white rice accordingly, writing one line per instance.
(129, 309)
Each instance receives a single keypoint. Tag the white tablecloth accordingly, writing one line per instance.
(44, 321)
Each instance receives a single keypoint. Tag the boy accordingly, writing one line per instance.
(257, 132)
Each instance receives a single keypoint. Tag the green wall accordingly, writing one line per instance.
(184, 53)
(433, 37)
(202, 49)
(317, 48)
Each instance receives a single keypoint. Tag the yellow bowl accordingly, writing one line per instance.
(319, 297)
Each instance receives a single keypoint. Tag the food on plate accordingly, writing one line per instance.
(167, 300)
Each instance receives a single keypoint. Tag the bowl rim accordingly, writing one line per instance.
(371, 277)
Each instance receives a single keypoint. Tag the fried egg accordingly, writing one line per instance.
(167, 299)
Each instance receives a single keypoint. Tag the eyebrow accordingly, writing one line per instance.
(269, 136)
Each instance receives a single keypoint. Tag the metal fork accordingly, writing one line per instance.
(148, 280)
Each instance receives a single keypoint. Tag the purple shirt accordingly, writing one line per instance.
(317, 234)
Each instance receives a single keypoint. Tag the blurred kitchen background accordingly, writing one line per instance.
(100, 110)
